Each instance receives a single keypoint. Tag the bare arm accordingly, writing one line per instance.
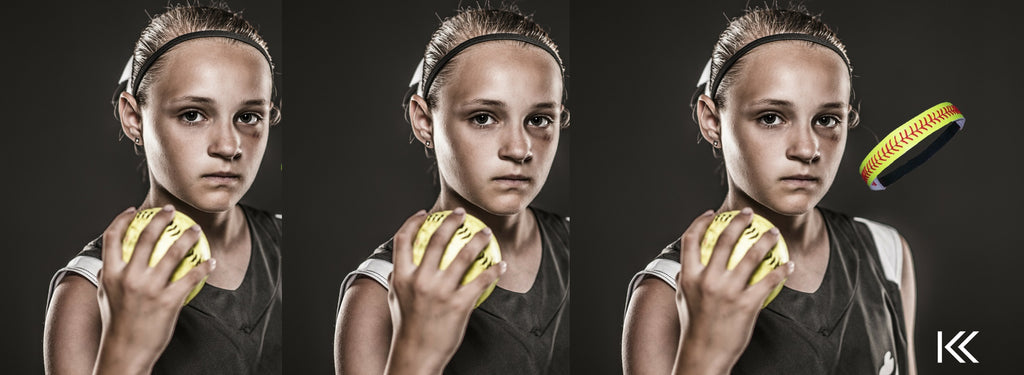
(908, 291)
(362, 336)
(71, 337)
(652, 329)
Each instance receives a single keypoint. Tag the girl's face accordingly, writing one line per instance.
(496, 125)
(784, 125)
(206, 120)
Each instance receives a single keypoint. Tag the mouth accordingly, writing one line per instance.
(222, 177)
(803, 180)
(513, 180)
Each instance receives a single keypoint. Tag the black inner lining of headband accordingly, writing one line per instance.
(919, 159)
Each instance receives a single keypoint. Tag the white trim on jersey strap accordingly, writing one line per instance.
(663, 269)
(82, 265)
(376, 269)
(890, 249)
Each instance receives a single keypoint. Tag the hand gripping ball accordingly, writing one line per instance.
(489, 256)
(200, 252)
(777, 256)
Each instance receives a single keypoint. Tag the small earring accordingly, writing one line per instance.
(714, 144)
(427, 143)
(138, 141)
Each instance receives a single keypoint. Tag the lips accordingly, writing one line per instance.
(801, 180)
(513, 179)
(222, 177)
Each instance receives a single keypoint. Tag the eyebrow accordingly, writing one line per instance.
(205, 100)
(498, 103)
(193, 99)
(786, 103)
(487, 102)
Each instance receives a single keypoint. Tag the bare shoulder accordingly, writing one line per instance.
(362, 335)
(71, 335)
(651, 331)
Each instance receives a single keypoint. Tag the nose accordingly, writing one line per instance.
(803, 145)
(225, 141)
(516, 145)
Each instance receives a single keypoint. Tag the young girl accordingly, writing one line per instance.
(775, 102)
(488, 105)
(198, 100)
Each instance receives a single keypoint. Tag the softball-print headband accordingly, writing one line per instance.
(905, 137)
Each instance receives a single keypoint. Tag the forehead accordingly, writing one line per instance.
(505, 70)
(214, 68)
(795, 70)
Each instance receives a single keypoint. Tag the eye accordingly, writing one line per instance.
(770, 119)
(483, 119)
(828, 121)
(539, 121)
(192, 117)
(249, 118)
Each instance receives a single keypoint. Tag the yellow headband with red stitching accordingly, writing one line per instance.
(905, 137)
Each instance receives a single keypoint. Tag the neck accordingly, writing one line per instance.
(511, 231)
(801, 231)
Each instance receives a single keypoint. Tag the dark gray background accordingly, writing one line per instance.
(638, 180)
(352, 175)
(640, 177)
(68, 175)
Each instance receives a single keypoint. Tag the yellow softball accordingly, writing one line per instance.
(777, 256)
(200, 252)
(489, 256)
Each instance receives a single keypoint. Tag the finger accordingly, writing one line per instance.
(690, 243)
(181, 287)
(439, 240)
(403, 243)
(464, 260)
(112, 237)
(475, 288)
(772, 280)
(755, 255)
(147, 240)
(727, 239)
(166, 266)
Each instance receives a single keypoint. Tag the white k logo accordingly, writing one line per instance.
(949, 347)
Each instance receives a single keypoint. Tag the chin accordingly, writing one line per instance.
(214, 203)
(795, 206)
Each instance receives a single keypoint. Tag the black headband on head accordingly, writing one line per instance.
(757, 42)
(184, 38)
(468, 43)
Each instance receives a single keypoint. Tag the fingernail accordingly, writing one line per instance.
(130, 209)
(790, 266)
(774, 230)
(708, 213)
(420, 213)
(459, 211)
(503, 267)
(486, 231)
(746, 211)
(168, 208)
(195, 228)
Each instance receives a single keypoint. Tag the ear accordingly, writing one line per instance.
(421, 121)
(708, 120)
(131, 118)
